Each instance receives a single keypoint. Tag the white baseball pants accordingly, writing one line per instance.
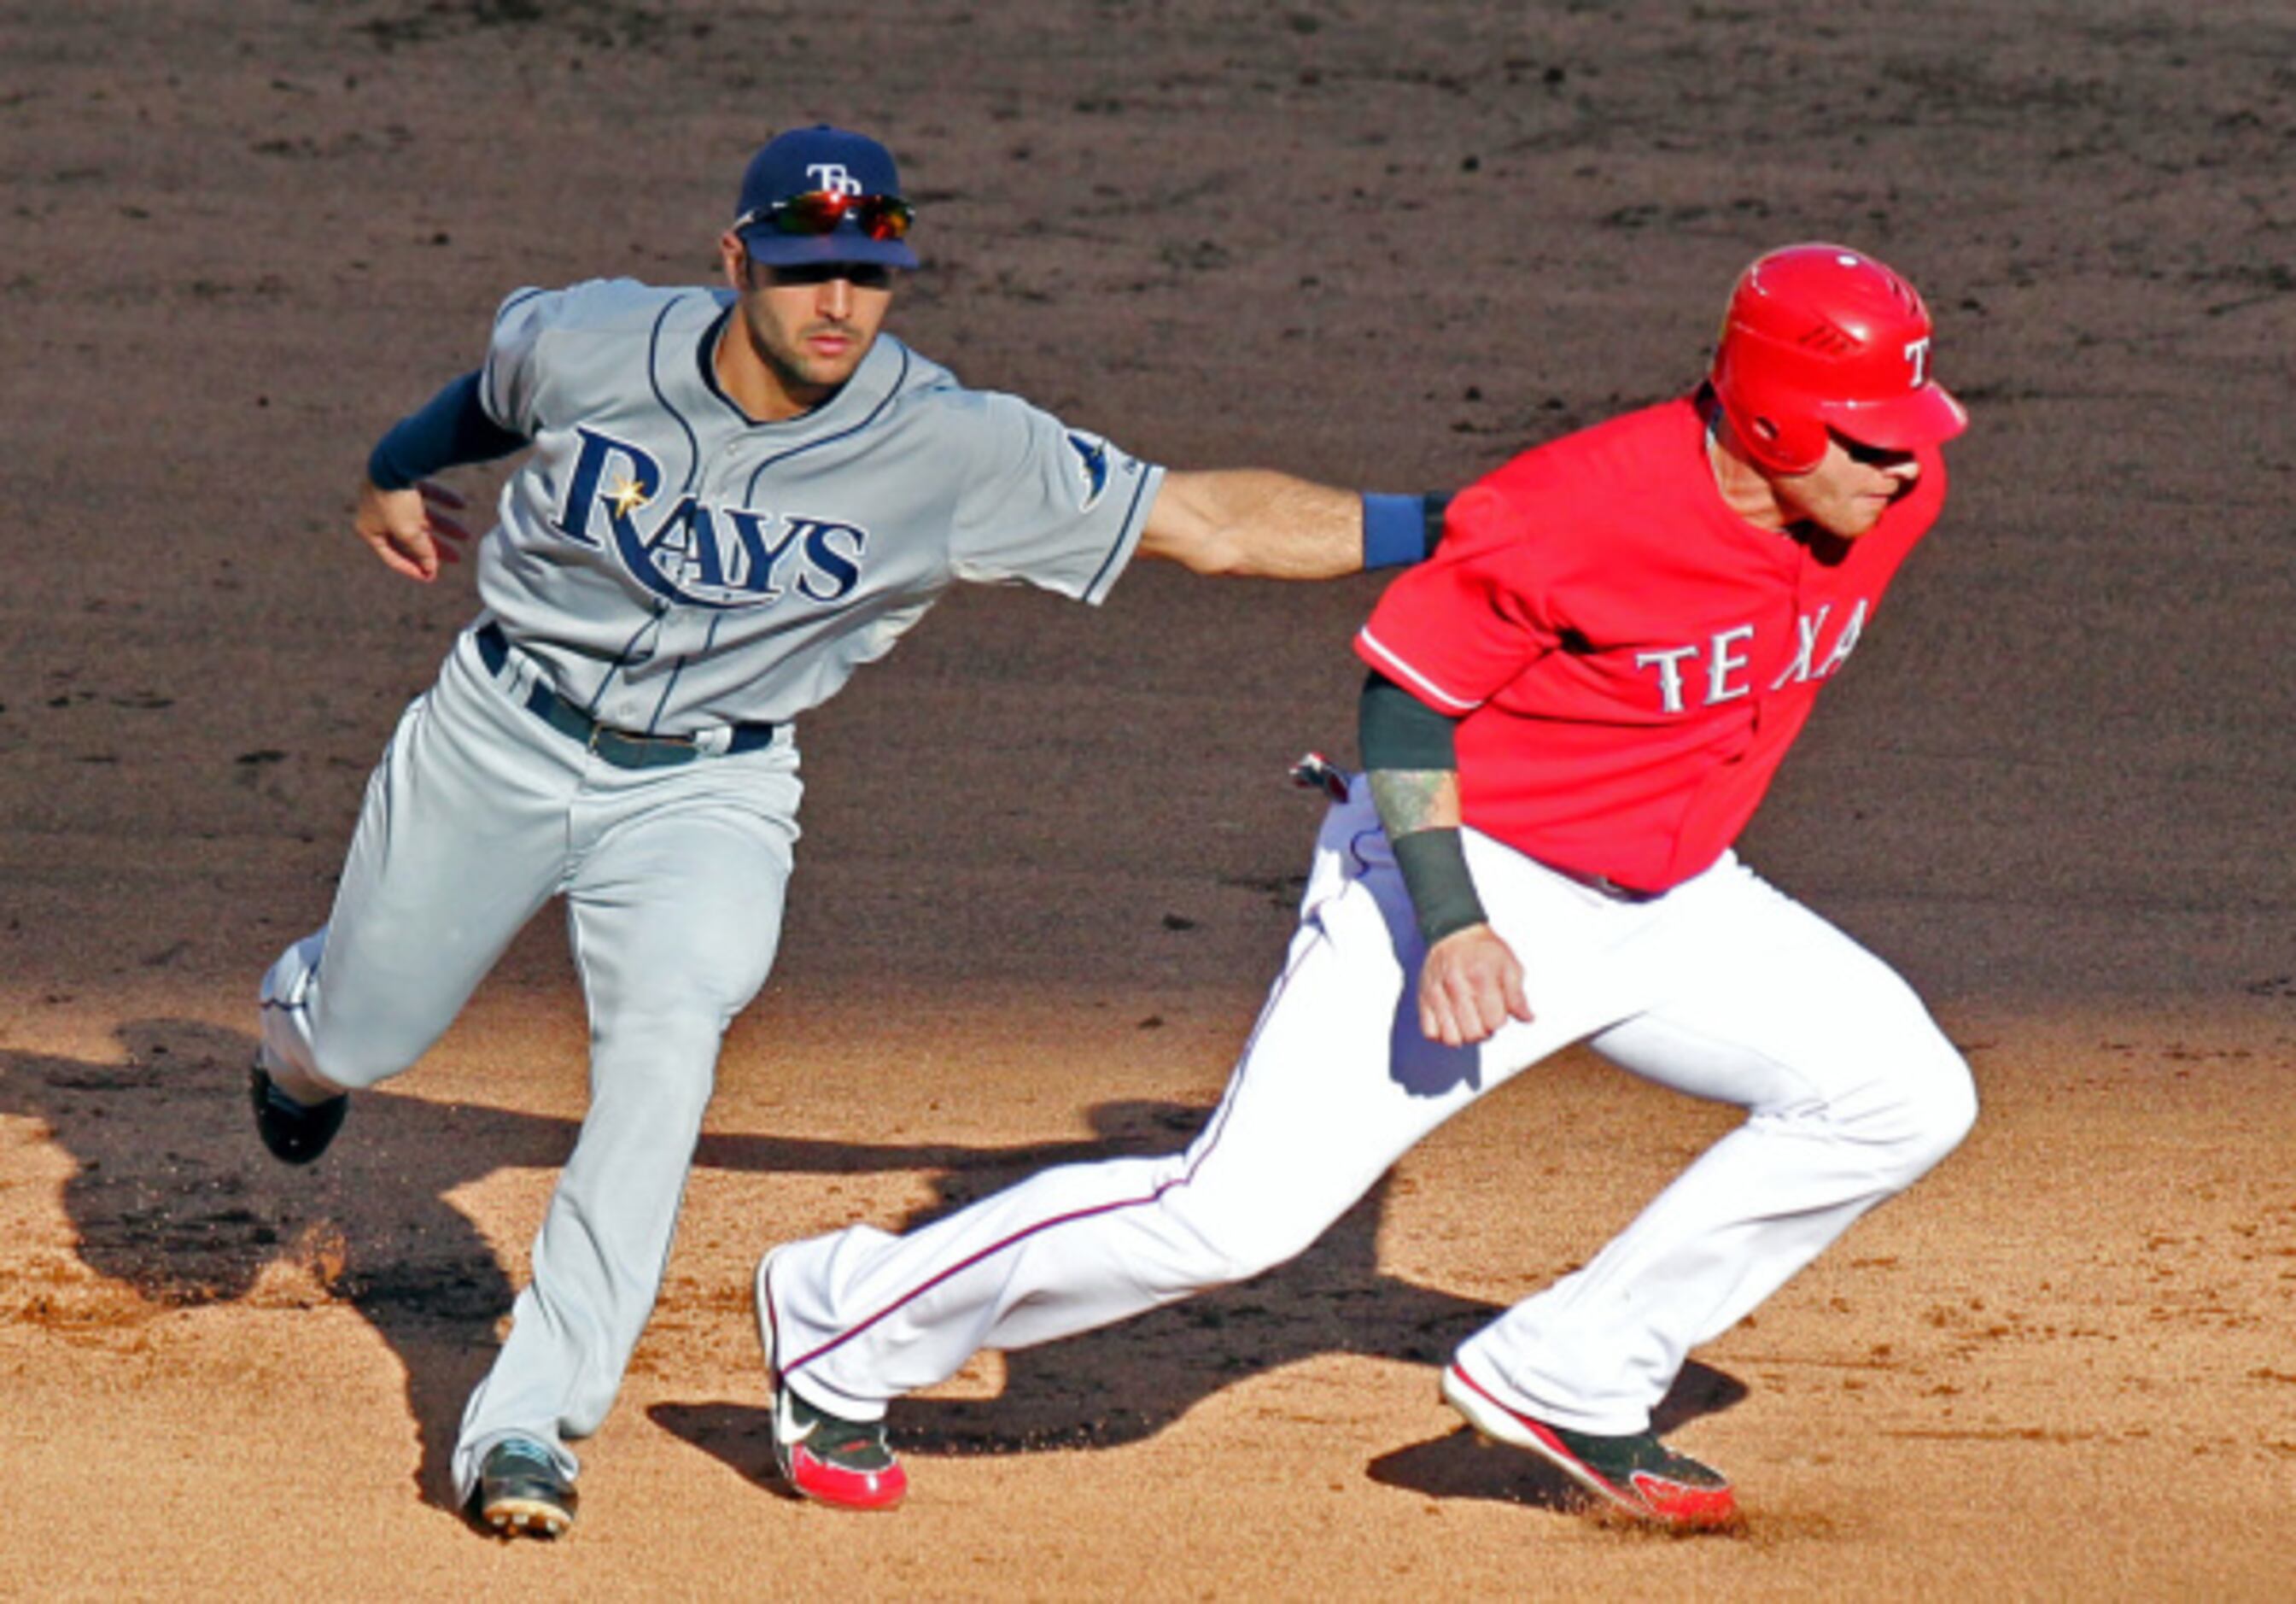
(673, 879)
(1723, 988)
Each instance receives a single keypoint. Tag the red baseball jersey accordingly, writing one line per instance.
(1628, 657)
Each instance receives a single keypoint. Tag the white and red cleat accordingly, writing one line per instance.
(1636, 1473)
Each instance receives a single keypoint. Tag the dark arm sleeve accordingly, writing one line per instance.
(450, 429)
(1395, 729)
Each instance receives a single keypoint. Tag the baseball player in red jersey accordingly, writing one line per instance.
(1573, 709)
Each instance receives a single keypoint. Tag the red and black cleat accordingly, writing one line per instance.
(1636, 1474)
(825, 1456)
(834, 1461)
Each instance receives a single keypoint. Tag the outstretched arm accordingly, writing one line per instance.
(1471, 982)
(1252, 522)
(400, 514)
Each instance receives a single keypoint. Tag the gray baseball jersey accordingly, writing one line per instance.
(674, 563)
(673, 566)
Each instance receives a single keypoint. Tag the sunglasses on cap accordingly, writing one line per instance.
(825, 211)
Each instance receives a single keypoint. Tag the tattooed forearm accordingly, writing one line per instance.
(1410, 800)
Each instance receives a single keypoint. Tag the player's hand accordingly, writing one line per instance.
(409, 530)
(1471, 986)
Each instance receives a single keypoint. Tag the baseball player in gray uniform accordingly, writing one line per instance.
(732, 498)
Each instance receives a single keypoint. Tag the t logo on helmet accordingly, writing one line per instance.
(1917, 352)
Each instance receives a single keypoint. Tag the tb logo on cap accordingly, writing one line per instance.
(833, 176)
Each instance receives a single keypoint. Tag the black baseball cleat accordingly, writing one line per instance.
(522, 1492)
(295, 1132)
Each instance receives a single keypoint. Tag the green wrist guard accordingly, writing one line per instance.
(1434, 868)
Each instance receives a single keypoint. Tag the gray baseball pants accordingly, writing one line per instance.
(673, 879)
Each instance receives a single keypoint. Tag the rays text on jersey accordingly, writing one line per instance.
(701, 554)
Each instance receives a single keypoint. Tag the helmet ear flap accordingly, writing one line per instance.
(1764, 412)
(1781, 444)
(1794, 447)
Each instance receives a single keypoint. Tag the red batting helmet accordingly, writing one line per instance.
(1820, 337)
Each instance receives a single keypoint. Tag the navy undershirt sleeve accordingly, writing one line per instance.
(450, 429)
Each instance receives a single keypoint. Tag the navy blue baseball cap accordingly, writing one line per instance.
(823, 195)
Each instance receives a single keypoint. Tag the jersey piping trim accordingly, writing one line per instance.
(1217, 1127)
(653, 380)
(1427, 687)
(654, 725)
(621, 661)
(1127, 539)
(892, 391)
(487, 397)
(705, 365)
(693, 467)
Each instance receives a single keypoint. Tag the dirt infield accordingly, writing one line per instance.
(1049, 855)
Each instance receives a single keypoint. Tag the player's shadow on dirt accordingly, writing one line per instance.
(1460, 1464)
(1125, 1382)
(172, 1195)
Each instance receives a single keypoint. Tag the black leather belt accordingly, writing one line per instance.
(624, 749)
